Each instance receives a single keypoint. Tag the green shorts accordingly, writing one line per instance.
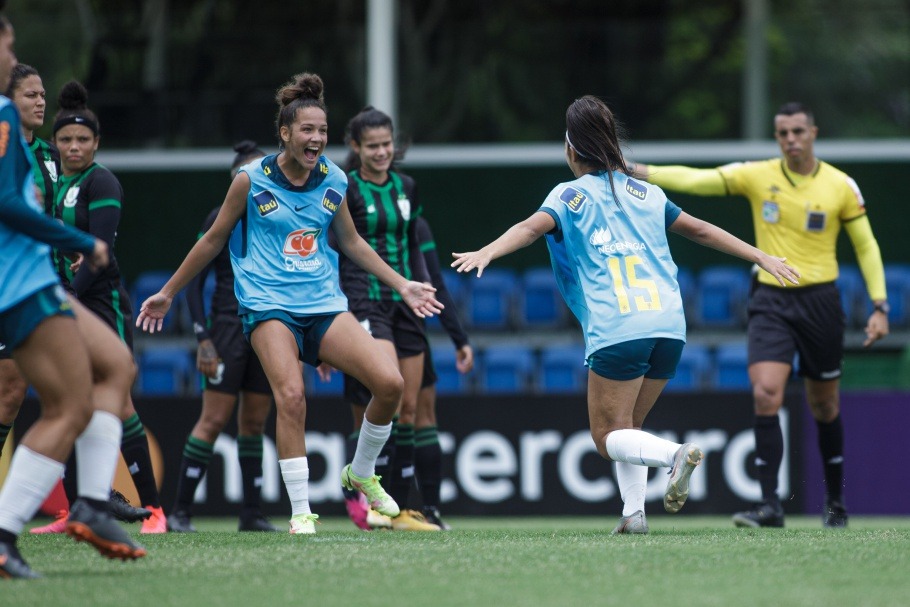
(17, 323)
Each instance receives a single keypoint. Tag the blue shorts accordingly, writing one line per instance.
(17, 323)
(307, 330)
(655, 358)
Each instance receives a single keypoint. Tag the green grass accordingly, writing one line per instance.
(686, 560)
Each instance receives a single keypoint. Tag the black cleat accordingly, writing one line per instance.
(255, 521)
(122, 510)
(180, 521)
(98, 528)
(835, 515)
(431, 513)
(12, 565)
(765, 514)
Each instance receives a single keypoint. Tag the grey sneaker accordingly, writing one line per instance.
(835, 514)
(684, 462)
(634, 523)
(180, 521)
(769, 513)
(98, 528)
(123, 510)
(12, 565)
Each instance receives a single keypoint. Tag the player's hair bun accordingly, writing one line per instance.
(303, 86)
(247, 146)
(73, 96)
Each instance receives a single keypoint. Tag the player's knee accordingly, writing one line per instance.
(768, 399)
(388, 388)
(290, 401)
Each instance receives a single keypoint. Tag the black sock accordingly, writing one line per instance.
(135, 449)
(831, 445)
(428, 465)
(249, 453)
(386, 457)
(193, 465)
(8, 537)
(769, 453)
(102, 505)
(350, 446)
(4, 434)
(403, 465)
(69, 479)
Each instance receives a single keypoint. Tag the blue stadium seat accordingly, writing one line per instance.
(208, 289)
(562, 369)
(897, 283)
(693, 369)
(147, 284)
(448, 379)
(506, 369)
(489, 299)
(166, 371)
(687, 290)
(540, 302)
(316, 387)
(731, 367)
(455, 284)
(852, 289)
(723, 292)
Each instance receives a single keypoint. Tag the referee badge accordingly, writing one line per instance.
(770, 211)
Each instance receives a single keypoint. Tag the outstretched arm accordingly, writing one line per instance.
(704, 182)
(710, 235)
(518, 236)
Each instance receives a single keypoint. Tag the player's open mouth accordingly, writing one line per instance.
(311, 153)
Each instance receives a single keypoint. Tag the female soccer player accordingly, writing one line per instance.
(608, 246)
(230, 368)
(290, 301)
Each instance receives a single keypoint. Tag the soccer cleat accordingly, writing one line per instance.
(304, 524)
(122, 510)
(835, 514)
(686, 459)
(180, 521)
(635, 523)
(156, 523)
(431, 514)
(378, 521)
(98, 528)
(411, 520)
(253, 520)
(377, 498)
(58, 526)
(766, 514)
(358, 508)
(12, 565)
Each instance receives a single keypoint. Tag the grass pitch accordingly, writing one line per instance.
(686, 560)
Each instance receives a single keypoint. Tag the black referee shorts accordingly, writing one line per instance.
(804, 321)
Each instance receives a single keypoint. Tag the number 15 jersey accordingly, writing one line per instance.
(612, 259)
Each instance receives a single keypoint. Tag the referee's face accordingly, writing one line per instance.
(795, 135)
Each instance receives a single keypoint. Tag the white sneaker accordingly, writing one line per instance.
(304, 524)
(684, 462)
(634, 523)
(378, 521)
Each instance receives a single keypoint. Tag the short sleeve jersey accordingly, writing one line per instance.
(26, 267)
(78, 195)
(799, 221)
(280, 249)
(612, 259)
(382, 215)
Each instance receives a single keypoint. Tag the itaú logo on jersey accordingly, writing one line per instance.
(302, 243)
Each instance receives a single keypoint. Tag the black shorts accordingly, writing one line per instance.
(239, 368)
(5, 353)
(807, 321)
(114, 308)
(393, 321)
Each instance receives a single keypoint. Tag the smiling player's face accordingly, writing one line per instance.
(305, 138)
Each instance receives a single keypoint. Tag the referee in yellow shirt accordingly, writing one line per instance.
(799, 204)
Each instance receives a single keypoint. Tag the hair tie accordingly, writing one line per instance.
(577, 151)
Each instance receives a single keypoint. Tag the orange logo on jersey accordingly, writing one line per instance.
(302, 242)
(4, 138)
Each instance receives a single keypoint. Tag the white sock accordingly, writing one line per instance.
(369, 444)
(632, 481)
(97, 451)
(30, 480)
(296, 475)
(640, 448)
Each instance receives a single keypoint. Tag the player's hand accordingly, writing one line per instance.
(76, 262)
(876, 328)
(776, 267)
(207, 359)
(324, 371)
(466, 262)
(464, 359)
(99, 257)
(421, 299)
(152, 313)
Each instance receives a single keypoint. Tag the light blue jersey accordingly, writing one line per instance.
(280, 250)
(612, 261)
(26, 264)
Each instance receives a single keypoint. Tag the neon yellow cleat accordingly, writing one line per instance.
(379, 500)
(304, 524)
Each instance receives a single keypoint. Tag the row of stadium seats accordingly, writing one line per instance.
(170, 370)
(503, 299)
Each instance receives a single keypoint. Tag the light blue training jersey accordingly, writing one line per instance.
(280, 250)
(612, 260)
(26, 266)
